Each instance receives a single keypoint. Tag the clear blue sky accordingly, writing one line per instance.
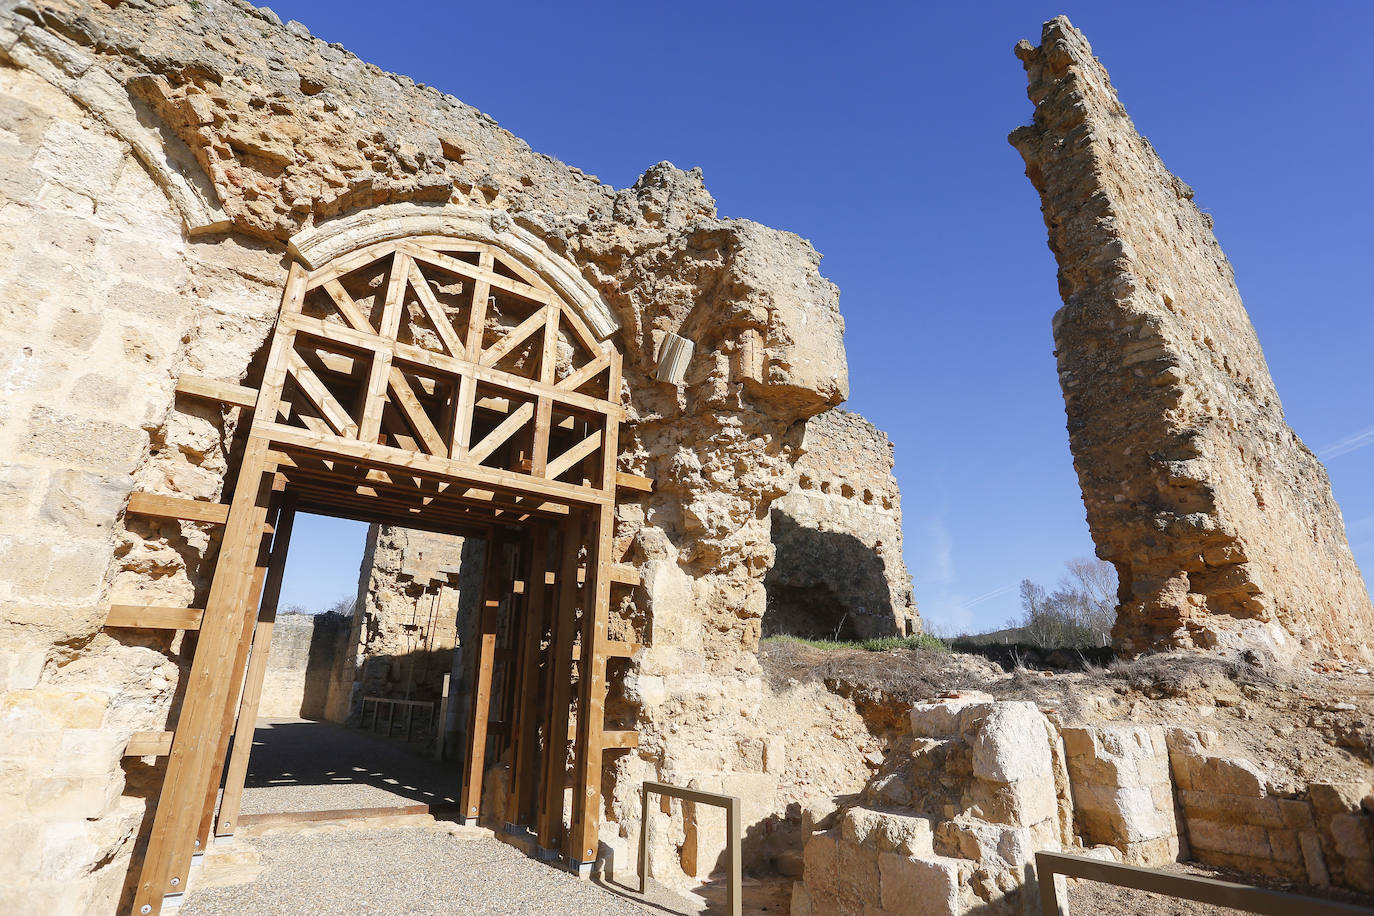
(878, 131)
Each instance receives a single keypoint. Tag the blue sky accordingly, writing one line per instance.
(878, 131)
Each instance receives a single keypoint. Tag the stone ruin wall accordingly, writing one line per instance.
(156, 159)
(960, 806)
(300, 675)
(1219, 520)
(837, 536)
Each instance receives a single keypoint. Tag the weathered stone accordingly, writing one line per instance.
(1220, 522)
(928, 884)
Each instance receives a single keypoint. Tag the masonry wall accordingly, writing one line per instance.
(1219, 520)
(838, 569)
(301, 665)
(105, 302)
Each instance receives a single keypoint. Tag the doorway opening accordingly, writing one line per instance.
(435, 385)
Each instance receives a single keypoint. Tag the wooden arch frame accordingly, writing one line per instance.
(424, 381)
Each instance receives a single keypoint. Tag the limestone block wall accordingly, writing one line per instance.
(301, 665)
(838, 569)
(1219, 520)
(418, 594)
(1123, 795)
(1322, 835)
(954, 816)
(105, 302)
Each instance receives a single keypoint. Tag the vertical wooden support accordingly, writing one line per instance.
(172, 841)
(592, 686)
(260, 575)
(559, 689)
(257, 671)
(494, 585)
(525, 719)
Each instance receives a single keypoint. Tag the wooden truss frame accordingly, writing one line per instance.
(430, 383)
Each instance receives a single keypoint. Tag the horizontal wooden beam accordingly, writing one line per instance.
(214, 390)
(178, 507)
(627, 481)
(149, 744)
(622, 739)
(625, 574)
(614, 649)
(421, 465)
(159, 618)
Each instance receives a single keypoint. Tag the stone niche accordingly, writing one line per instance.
(838, 570)
(1219, 520)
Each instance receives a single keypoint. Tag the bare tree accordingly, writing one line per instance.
(1078, 613)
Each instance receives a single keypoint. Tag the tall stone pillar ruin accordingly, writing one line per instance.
(1219, 520)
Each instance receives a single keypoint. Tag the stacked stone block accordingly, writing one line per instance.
(983, 781)
(1232, 819)
(1122, 793)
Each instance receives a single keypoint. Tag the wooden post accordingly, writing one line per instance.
(559, 690)
(493, 585)
(442, 726)
(177, 817)
(525, 718)
(592, 686)
(257, 671)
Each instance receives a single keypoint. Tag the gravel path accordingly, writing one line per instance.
(299, 765)
(415, 871)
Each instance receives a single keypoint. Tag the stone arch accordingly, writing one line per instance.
(74, 72)
(329, 240)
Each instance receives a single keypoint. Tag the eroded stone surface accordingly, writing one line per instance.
(1219, 520)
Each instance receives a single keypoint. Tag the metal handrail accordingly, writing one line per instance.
(732, 834)
(1186, 887)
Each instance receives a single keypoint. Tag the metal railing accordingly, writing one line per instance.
(732, 835)
(1186, 887)
(408, 705)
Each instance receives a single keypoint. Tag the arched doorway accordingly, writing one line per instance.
(438, 383)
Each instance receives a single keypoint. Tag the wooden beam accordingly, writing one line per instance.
(627, 481)
(320, 396)
(493, 582)
(580, 377)
(625, 574)
(348, 308)
(149, 744)
(475, 272)
(228, 817)
(498, 436)
(515, 337)
(374, 397)
(403, 396)
(160, 618)
(438, 362)
(211, 681)
(213, 390)
(178, 507)
(558, 687)
(573, 455)
(442, 327)
(398, 278)
(525, 733)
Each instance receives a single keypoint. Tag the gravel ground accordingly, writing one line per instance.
(299, 765)
(416, 871)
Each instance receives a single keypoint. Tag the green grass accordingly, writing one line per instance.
(885, 644)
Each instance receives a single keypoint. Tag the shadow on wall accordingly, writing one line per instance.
(825, 585)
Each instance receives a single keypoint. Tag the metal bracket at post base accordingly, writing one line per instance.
(732, 835)
(1185, 887)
